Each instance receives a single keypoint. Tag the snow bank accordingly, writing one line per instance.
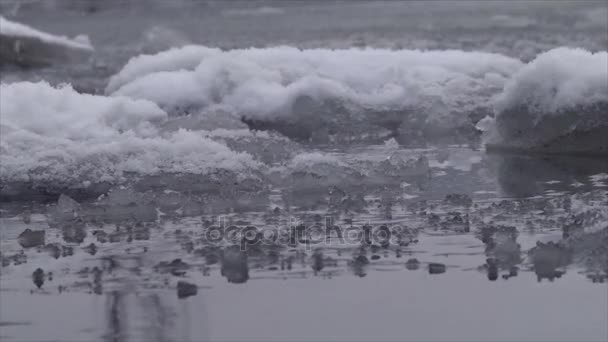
(56, 137)
(271, 84)
(183, 58)
(27, 46)
(561, 96)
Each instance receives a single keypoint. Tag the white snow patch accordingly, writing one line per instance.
(557, 80)
(58, 136)
(265, 83)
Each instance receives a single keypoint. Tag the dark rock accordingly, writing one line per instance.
(375, 257)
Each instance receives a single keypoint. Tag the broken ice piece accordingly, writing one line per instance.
(31, 238)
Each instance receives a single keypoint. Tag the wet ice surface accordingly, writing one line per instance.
(477, 252)
(107, 219)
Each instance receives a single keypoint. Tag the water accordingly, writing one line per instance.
(483, 246)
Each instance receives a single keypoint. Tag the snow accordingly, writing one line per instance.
(65, 138)
(558, 80)
(265, 83)
(557, 102)
(11, 28)
(172, 60)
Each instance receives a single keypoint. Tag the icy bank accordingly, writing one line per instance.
(57, 138)
(557, 103)
(24, 45)
(285, 88)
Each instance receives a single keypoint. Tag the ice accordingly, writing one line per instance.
(259, 11)
(268, 148)
(27, 46)
(303, 92)
(66, 209)
(82, 141)
(161, 38)
(557, 103)
(172, 60)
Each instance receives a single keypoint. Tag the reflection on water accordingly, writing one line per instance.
(161, 277)
(525, 176)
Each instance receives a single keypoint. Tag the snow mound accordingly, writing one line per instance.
(283, 87)
(557, 103)
(27, 46)
(172, 60)
(66, 139)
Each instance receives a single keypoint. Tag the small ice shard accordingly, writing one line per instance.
(54, 250)
(38, 277)
(412, 264)
(97, 285)
(91, 249)
(31, 238)
(234, 265)
(185, 290)
(492, 269)
(436, 268)
(176, 267)
(66, 209)
(548, 258)
(26, 216)
(462, 200)
(66, 204)
(125, 204)
(67, 251)
(317, 261)
(74, 232)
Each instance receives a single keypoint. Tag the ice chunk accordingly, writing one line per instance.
(31, 238)
(557, 103)
(66, 209)
(305, 92)
(84, 140)
(27, 46)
